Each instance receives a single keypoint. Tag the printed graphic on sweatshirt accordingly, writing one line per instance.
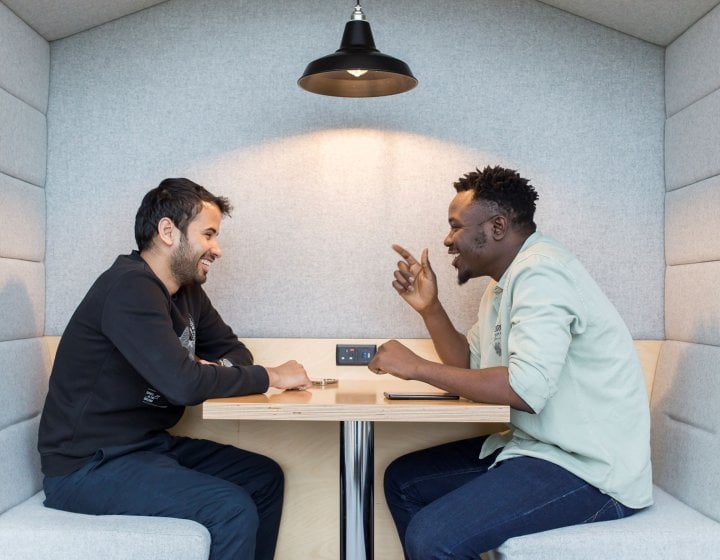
(187, 338)
(154, 398)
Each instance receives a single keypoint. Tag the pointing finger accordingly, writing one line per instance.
(405, 254)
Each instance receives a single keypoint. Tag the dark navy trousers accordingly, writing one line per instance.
(447, 503)
(236, 494)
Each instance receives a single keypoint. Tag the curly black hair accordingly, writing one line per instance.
(180, 200)
(513, 195)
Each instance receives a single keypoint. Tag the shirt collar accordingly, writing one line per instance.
(529, 242)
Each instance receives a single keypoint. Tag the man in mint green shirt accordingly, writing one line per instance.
(549, 344)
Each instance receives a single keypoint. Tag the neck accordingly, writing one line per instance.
(159, 263)
(512, 245)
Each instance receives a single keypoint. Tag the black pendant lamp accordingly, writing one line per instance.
(357, 68)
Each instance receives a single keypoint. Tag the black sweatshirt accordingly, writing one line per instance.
(125, 368)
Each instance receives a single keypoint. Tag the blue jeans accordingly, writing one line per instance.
(446, 503)
(236, 494)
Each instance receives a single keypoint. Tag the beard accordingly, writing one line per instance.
(464, 274)
(184, 265)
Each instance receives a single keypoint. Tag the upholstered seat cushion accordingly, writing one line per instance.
(30, 531)
(668, 529)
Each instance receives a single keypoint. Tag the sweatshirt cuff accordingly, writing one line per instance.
(258, 379)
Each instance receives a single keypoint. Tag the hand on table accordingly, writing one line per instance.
(290, 375)
(396, 359)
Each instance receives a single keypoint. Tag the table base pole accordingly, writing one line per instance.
(356, 490)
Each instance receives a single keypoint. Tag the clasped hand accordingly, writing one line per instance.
(395, 358)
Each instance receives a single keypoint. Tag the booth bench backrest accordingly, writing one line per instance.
(685, 405)
(23, 380)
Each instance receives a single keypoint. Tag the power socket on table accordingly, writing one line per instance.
(354, 354)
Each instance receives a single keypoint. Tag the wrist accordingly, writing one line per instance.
(420, 370)
(433, 309)
(272, 377)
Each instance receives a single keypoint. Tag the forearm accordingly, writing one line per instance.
(239, 355)
(488, 385)
(451, 346)
(215, 339)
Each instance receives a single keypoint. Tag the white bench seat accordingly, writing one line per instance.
(684, 522)
(668, 529)
(30, 531)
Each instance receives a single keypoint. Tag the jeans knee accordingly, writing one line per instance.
(233, 528)
(421, 543)
(276, 475)
(392, 479)
(225, 504)
(272, 482)
(245, 520)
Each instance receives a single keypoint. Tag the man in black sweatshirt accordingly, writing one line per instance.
(144, 343)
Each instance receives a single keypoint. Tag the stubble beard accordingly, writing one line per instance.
(465, 274)
(184, 265)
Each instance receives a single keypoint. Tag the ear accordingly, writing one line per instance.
(166, 232)
(499, 227)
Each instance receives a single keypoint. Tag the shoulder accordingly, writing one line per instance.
(541, 249)
(540, 255)
(131, 278)
(544, 266)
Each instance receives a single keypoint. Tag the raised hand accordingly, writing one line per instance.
(415, 281)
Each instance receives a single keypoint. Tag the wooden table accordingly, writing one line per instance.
(356, 403)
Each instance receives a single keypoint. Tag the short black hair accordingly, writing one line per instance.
(178, 199)
(512, 194)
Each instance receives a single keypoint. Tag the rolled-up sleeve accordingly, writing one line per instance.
(546, 310)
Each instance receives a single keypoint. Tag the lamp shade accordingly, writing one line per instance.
(357, 68)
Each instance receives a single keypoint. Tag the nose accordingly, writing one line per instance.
(448, 239)
(216, 250)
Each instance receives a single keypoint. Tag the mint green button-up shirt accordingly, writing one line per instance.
(572, 360)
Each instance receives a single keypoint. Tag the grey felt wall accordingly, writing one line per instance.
(688, 369)
(322, 186)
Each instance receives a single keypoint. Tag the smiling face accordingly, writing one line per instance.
(470, 238)
(198, 248)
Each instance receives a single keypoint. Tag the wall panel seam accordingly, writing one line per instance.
(37, 337)
(28, 183)
(21, 259)
(24, 180)
(669, 116)
(694, 183)
(44, 114)
(690, 263)
(691, 342)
